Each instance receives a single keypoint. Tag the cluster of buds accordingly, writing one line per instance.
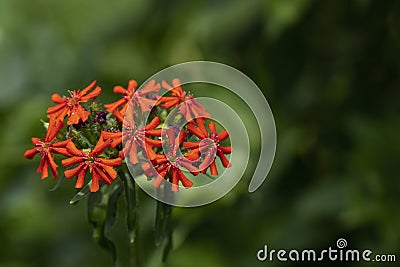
(97, 139)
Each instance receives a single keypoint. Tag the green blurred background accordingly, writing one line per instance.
(329, 69)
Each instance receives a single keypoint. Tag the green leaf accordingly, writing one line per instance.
(58, 184)
(102, 211)
(163, 216)
(130, 198)
(168, 245)
(112, 207)
(45, 124)
(85, 191)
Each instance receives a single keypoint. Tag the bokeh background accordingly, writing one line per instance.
(329, 69)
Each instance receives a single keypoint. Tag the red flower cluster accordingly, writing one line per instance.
(97, 138)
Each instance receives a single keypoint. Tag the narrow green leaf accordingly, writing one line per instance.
(45, 124)
(112, 207)
(163, 216)
(58, 184)
(168, 245)
(130, 198)
(102, 210)
(85, 191)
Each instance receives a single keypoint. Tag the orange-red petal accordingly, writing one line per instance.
(56, 98)
(95, 182)
(152, 124)
(30, 153)
(224, 160)
(184, 180)
(87, 89)
(113, 106)
(95, 93)
(223, 135)
(54, 127)
(81, 177)
(225, 149)
(73, 160)
(74, 171)
(73, 150)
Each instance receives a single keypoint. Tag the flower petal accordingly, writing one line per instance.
(225, 149)
(81, 177)
(87, 89)
(152, 124)
(196, 131)
(52, 130)
(110, 162)
(43, 167)
(191, 145)
(223, 135)
(111, 173)
(152, 142)
(62, 143)
(95, 182)
(56, 98)
(58, 112)
(120, 90)
(213, 169)
(102, 175)
(73, 150)
(30, 153)
(35, 140)
(153, 132)
(113, 106)
(175, 180)
(113, 139)
(150, 87)
(91, 95)
(71, 161)
(166, 85)
(74, 171)
(212, 128)
(53, 165)
(78, 113)
(132, 152)
(159, 179)
(224, 160)
(184, 180)
(132, 84)
(150, 152)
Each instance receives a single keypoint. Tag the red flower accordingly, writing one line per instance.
(69, 106)
(136, 138)
(144, 98)
(209, 139)
(47, 147)
(101, 168)
(189, 107)
(169, 167)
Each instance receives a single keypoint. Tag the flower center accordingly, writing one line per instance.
(74, 99)
(90, 159)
